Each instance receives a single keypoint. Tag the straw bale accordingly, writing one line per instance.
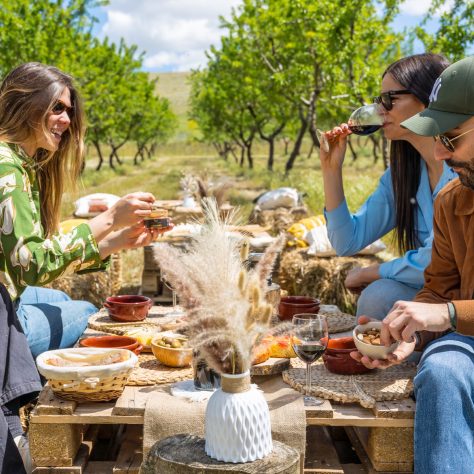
(280, 219)
(321, 277)
(94, 287)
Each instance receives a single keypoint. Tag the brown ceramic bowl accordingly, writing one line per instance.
(115, 342)
(337, 357)
(291, 305)
(128, 308)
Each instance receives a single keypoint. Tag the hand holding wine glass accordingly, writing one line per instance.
(333, 147)
(309, 339)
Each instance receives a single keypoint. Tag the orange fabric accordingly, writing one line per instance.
(450, 276)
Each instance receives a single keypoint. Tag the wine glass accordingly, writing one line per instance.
(309, 338)
(176, 313)
(367, 119)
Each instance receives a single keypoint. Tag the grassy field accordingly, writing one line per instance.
(161, 174)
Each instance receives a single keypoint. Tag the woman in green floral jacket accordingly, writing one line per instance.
(41, 155)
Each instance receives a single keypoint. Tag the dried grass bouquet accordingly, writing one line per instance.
(224, 301)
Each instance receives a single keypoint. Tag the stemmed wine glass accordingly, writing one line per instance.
(176, 313)
(363, 121)
(309, 338)
(366, 119)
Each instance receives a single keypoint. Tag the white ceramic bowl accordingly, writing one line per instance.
(374, 352)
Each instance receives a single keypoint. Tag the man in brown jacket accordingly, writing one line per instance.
(443, 311)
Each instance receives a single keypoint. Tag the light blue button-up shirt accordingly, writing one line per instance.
(350, 233)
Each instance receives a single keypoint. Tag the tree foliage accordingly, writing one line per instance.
(284, 69)
(120, 100)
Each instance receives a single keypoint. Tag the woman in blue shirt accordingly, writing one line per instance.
(404, 197)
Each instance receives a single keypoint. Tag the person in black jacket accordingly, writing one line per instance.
(20, 383)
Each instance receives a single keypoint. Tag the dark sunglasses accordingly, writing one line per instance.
(385, 98)
(59, 107)
(448, 142)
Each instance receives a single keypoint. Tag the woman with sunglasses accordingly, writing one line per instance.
(41, 155)
(403, 200)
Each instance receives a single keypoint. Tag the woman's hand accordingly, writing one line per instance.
(408, 317)
(399, 355)
(358, 278)
(131, 209)
(333, 159)
(132, 237)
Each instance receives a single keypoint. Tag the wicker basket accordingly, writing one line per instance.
(94, 383)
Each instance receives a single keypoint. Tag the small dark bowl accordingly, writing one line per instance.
(113, 342)
(291, 305)
(337, 357)
(128, 308)
(158, 223)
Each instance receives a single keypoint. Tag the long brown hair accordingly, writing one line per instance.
(27, 95)
(417, 74)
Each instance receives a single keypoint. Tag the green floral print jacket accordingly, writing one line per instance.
(27, 257)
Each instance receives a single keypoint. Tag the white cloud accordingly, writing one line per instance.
(420, 7)
(173, 33)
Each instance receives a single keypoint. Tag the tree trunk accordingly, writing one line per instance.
(99, 153)
(351, 147)
(249, 154)
(297, 146)
(242, 156)
(271, 153)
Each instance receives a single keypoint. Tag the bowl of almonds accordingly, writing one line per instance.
(367, 340)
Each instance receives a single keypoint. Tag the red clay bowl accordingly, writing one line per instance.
(128, 308)
(337, 357)
(113, 342)
(291, 305)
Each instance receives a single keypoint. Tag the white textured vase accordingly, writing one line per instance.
(237, 424)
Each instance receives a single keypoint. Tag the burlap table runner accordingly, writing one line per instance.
(166, 415)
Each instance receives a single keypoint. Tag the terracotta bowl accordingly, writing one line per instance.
(115, 342)
(180, 357)
(337, 357)
(128, 308)
(291, 305)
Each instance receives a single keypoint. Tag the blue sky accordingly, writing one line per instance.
(176, 33)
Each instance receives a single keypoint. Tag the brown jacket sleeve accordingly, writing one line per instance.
(442, 278)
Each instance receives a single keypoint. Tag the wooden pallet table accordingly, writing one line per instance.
(58, 428)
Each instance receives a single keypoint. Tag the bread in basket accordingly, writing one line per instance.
(87, 374)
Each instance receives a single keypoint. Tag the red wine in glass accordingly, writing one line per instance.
(309, 353)
(364, 129)
(367, 119)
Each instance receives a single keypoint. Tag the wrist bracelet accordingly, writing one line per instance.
(452, 315)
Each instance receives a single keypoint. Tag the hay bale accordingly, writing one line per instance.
(93, 287)
(321, 277)
(279, 219)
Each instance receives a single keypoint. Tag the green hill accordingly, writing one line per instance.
(175, 87)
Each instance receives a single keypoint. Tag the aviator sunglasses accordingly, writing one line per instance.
(385, 98)
(59, 107)
(448, 142)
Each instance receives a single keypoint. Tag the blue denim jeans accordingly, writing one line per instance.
(378, 298)
(444, 419)
(50, 319)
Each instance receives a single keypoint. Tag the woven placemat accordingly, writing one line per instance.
(101, 321)
(394, 383)
(337, 320)
(149, 371)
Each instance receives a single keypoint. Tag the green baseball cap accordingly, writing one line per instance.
(451, 101)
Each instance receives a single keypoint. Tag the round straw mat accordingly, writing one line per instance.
(101, 321)
(337, 320)
(149, 371)
(394, 383)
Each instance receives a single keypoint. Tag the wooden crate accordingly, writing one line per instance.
(52, 413)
